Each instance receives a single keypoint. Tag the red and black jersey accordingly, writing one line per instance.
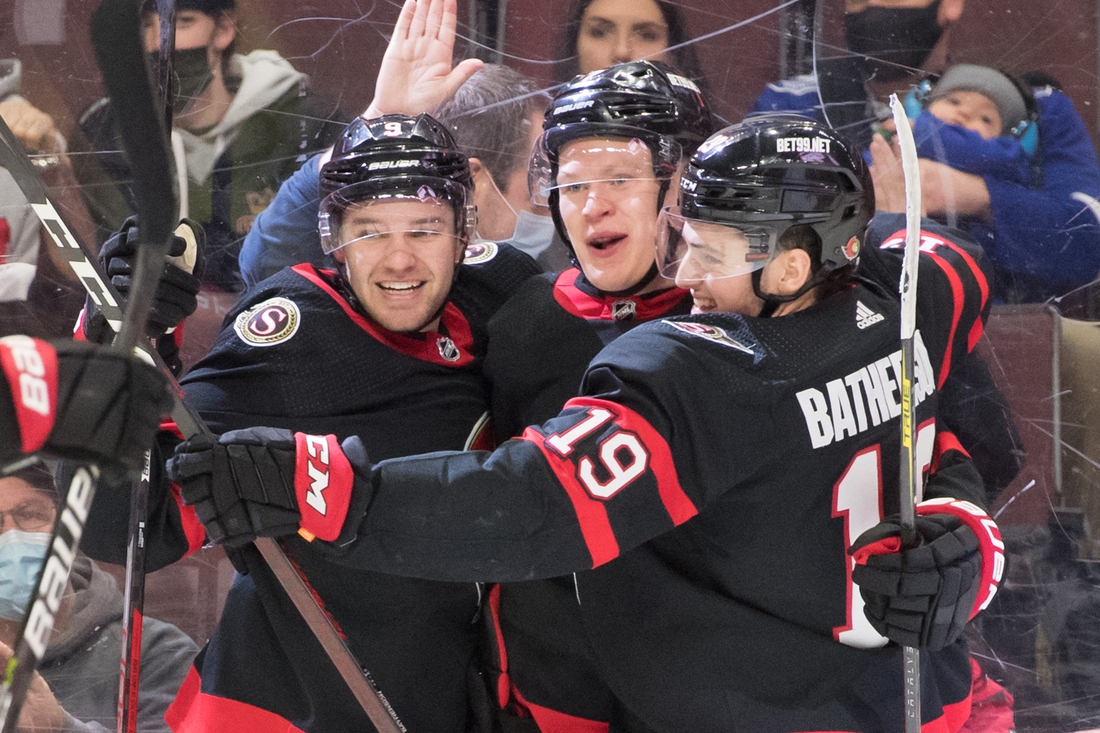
(540, 342)
(295, 353)
(711, 477)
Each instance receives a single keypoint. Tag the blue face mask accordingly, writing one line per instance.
(21, 556)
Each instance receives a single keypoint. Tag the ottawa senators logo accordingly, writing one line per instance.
(711, 333)
(480, 252)
(268, 323)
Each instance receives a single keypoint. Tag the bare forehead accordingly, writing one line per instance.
(625, 11)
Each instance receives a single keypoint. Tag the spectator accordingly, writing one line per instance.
(244, 124)
(39, 294)
(1042, 239)
(496, 117)
(76, 687)
(602, 33)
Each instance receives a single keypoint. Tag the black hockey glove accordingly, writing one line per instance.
(268, 482)
(106, 409)
(177, 292)
(922, 596)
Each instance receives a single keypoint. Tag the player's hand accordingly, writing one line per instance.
(922, 596)
(79, 401)
(268, 482)
(416, 74)
(177, 291)
(109, 407)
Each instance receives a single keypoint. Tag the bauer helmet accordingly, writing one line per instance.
(641, 100)
(395, 157)
(759, 179)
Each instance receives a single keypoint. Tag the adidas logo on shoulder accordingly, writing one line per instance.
(865, 316)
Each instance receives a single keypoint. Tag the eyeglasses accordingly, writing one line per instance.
(30, 516)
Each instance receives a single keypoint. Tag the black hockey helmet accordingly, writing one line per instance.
(640, 100)
(777, 171)
(395, 156)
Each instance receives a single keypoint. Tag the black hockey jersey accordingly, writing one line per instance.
(540, 344)
(543, 338)
(778, 440)
(295, 353)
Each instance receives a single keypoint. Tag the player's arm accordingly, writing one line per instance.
(571, 494)
(923, 596)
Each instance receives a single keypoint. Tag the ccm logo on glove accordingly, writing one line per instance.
(323, 481)
(991, 545)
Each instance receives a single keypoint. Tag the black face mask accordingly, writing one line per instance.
(191, 75)
(895, 41)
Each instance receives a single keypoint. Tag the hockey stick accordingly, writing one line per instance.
(133, 593)
(908, 476)
(86, 266)
(156, 225)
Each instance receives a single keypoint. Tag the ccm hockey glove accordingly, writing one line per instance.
(924, 596)
(75, 400)
(176, 295)
(269, 482)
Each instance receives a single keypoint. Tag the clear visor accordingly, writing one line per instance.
(387, 220)
(602, 163)
(691, 250)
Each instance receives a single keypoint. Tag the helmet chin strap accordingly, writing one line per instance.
(773, 301)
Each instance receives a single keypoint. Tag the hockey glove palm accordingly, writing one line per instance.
(106, 408)
(268, 482)
(922, 596)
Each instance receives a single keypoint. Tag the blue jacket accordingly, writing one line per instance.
(1045, 239)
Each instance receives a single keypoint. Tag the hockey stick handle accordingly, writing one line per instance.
(908, 476)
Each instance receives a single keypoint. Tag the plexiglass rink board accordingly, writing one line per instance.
(1040, 639)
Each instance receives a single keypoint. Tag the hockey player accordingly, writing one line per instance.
(776, 436)
(388, 348)
(75, 401)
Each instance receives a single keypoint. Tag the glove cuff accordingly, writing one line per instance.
(990, 544)
(323, 482)
(30, 368)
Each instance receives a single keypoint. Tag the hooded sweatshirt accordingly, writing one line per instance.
(232, 170)
(81, 663)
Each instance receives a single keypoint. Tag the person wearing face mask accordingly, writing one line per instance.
(242, 124)
(76, 687)
(496, 118)
(1041, 235)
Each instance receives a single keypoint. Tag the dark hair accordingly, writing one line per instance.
(487, 116)
(683, 59)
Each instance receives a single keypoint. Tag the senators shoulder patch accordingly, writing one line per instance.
(268, 323)
(480, 252)
(711, 333)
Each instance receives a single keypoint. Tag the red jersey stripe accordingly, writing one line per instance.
(194, 711)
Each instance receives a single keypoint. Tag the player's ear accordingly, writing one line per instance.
(338, 255)
(787, 273)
